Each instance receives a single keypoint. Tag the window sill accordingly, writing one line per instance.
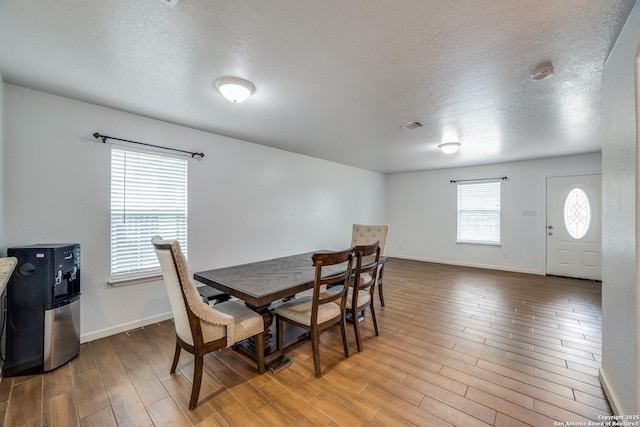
(479, 243)
(134, 280)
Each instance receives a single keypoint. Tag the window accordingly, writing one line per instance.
(479, 213)
(148, 197)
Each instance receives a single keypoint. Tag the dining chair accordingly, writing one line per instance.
(363, 234)
(201, 328)
(323, 309)
(360, 295)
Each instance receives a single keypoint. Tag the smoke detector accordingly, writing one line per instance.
(170, 3)
(410, 125)
(542, 72)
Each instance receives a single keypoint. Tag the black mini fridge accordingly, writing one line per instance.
(42, 308)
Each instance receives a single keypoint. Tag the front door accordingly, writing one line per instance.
(574, 226)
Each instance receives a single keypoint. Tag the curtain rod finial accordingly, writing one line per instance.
(96, 135)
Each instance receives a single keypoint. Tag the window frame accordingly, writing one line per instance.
(464, 228)
(148, 196)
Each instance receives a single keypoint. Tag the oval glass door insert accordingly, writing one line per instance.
(577, 213)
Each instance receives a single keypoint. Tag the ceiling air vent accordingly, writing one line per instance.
(410, 125)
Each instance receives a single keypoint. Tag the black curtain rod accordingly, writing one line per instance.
(105, 137)
(453, 181)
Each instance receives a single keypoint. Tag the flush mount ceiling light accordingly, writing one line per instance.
(235, 89)
(449, 147)
(544, 71)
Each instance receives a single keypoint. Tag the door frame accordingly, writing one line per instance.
(543, 217)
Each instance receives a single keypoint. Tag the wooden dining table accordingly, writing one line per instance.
(261, 285)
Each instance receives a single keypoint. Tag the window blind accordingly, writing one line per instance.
(148, 198)
(479, 212)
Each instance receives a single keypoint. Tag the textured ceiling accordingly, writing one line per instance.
(334, 78)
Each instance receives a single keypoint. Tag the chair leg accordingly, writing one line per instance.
(373, 318)
(345, 341)
(260, 352)
(356, 329)
(176, 357)
(197, 382)
(380, 274)
(315, 345)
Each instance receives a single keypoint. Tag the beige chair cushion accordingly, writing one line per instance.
(299, 310)
(367, 234)
(365, 277)
(363, 298)
(247, 322)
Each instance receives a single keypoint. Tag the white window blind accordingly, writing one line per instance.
(148, 198)
(479, 213)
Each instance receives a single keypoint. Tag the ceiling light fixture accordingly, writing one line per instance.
(235, 89)
(449, 147)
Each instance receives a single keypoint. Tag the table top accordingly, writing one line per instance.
(260, 283)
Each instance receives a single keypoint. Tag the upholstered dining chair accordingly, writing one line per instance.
(361, 292)
(323, 309)
(201, 328)
(363, 234)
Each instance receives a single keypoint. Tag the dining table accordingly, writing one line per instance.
(262, 285)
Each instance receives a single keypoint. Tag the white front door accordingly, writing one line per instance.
(574, 228)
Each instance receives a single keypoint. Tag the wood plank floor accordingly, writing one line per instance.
(458, 346)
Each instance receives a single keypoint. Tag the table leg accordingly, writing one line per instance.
(274, 359)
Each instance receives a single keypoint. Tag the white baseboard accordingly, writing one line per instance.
(466, 264)
(608, 391)
(124, 327)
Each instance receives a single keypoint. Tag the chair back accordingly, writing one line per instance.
(367, 262)
(182, 292)
(367, 234)
(338, 282)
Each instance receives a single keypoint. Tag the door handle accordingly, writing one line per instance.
(550, 227)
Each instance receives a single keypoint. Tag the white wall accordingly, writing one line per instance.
(619, 372)
(246, 202)
(421, 210)
(2, 163)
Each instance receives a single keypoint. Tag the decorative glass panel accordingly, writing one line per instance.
(577, 213)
